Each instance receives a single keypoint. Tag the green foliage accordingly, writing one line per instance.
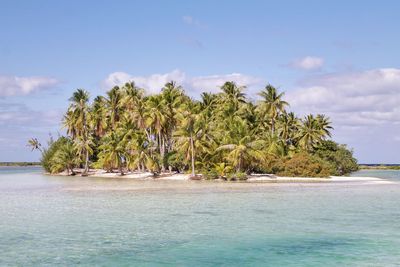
(338, 156)
(59, 156)
(304, 165)
(223, 135)
(237, 176)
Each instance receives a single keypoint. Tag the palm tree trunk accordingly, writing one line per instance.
(193, 160)
(161, 144)
(85, 172)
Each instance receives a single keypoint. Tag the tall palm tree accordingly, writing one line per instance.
(83, 145)
(231, 98)
(172, 98)
(77, 121)
(97, 116)
(288, 125)
(156, 120)
(189, 133)
(113, 104)
(272, 104)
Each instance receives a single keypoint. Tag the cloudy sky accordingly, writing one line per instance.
(337, 58)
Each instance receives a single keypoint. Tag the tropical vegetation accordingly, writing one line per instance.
(220, 135)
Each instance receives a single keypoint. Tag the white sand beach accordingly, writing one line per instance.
(253, 178)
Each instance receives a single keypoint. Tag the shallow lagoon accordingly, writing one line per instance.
(109, 222)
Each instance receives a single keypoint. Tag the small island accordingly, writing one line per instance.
(220, 136)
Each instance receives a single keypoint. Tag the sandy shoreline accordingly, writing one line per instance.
(254, 178)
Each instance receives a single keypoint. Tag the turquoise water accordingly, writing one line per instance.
(48, 221)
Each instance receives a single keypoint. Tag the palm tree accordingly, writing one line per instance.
(77, 121)
(188, 134)
(310, 132)
(34, 144)
(172, 97)
(324, 125)
(243, 147)
(288, 125)
(113, 104)
(97, 116)
(156, 120)
(64, 158)
(83, 145)
(139, 150)
(231, 98)
(222, 169)
(112, 151)
(272, 104)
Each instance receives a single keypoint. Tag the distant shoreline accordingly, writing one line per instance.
(19, 164)
(379, 166)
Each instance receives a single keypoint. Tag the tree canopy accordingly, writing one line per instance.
(221, 133)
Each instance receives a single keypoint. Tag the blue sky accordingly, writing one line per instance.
(337, 58)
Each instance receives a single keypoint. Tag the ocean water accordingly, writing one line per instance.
(66, 221)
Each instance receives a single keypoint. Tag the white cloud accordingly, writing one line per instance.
(308, 63)
(14, 85)
(351, 99)
(152, 83)
(193, 85)
(189, 20)
(213, 82)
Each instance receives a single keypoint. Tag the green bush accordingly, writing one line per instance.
(304, 165)
(240, 176)
(59, 156)
(339, 157)
(210, 174)
(50, 151)
(236, 176)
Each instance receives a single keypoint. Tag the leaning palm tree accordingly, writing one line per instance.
(272, 104)
(35, 144)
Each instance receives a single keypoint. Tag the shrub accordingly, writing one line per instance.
(210, 174)
(339, 157)
(240, 176)
(304, 165)
(59, 156)
(51, 150)
(271, 164)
